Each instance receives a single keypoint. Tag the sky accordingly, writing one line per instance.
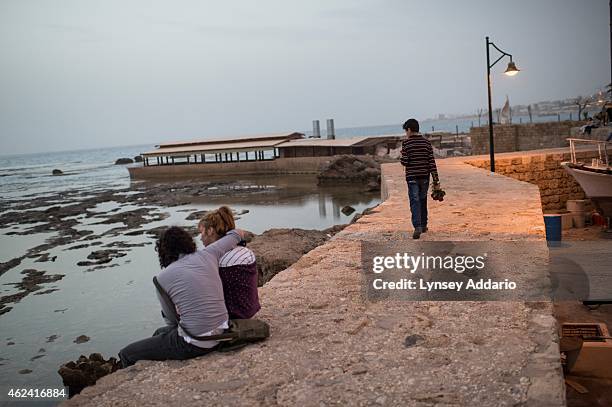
(87, 74)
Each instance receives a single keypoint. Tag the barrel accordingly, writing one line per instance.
(553, 227)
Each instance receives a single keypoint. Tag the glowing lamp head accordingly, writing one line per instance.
(512, 69)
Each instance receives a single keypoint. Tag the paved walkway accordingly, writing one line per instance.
(330, 347)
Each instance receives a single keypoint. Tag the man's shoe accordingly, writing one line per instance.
(425, 229)
(417, 233)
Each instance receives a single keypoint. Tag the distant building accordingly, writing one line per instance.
(272, 153)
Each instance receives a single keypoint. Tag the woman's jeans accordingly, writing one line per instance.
(417, 193)
(165, 344)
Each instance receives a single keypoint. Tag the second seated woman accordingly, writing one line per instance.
(237, 268)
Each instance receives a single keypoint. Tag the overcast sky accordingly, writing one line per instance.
(79, 74)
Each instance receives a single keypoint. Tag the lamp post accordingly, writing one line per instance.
(510, 71)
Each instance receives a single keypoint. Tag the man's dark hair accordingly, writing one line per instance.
(173, 242)
(411, 124)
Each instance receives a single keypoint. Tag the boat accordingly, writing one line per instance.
(595, 177)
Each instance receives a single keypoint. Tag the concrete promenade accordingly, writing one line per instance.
(329, 346)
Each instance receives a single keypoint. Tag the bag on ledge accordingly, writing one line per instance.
(240, 333)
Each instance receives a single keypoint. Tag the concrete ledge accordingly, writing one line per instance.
(330, 346)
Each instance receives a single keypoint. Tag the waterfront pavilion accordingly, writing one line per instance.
(251, 148)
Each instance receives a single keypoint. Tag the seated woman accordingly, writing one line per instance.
(191, 280)
(237, 268)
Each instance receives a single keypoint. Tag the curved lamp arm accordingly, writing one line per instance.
(500, 58)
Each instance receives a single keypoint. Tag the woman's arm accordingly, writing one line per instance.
(225, 244)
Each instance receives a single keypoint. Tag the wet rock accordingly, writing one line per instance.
(103, 266)
(85, 371)
(277, 249)
(126, 245)
(350, 169)
(25, 371)
(30, 283)
(82, 339)
(134, 218)
(33, 358)
(79, 246)
(135, 233)
(347, 210)
(52, 338)
(102, 257)
(197, 215)
(138, 159)
(45, 258)
(4, 267)
(125, 160)
(48, 291)
(366, 211)
(57, 172)
(10, 343)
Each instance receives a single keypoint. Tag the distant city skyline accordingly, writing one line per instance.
(89, 74)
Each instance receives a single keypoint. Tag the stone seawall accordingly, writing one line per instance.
(331, 346)
(542, 168)
(522, 137)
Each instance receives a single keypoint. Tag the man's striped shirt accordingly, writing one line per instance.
(417, 158)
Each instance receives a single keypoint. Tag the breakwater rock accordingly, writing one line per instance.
(277, 249)
(85, 371)
(351, 169)
(121, 161)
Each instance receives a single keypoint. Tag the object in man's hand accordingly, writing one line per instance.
(437, 194)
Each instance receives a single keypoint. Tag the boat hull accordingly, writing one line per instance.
(596, 185)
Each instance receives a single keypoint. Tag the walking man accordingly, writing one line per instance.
(418, 160)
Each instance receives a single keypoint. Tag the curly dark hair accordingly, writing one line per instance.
(173, 242)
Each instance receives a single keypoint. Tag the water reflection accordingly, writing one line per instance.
(294, 201)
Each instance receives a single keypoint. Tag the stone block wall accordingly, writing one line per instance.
(521, 137)
(544, 170)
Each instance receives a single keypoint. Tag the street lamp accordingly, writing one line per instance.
(511, 70)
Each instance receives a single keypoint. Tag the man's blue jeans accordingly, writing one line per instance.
(417, 193)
